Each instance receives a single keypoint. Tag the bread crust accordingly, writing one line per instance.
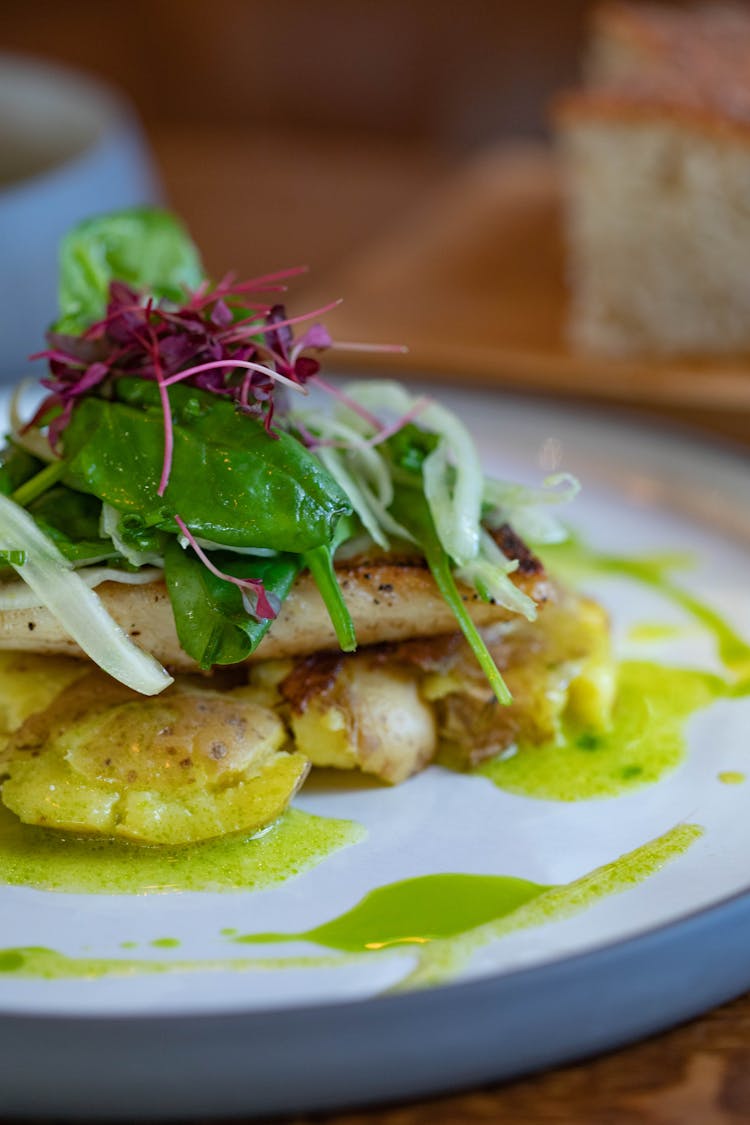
(644, 107)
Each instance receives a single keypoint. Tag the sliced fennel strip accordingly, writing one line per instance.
(17, 595)
(490, 572)
(527, 509)
(110, 529)
(78, 609)
(455, 504)
(359, 469)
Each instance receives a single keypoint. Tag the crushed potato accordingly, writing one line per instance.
(389, 711)
(185, 766)
(85, 754)
(29, 682)
(373, 718)
(559, 670)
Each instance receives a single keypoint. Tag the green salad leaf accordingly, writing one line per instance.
(231, 482)
(143, 246)
(71, 520)
(408, 450)
(17, 467)
(213, 625)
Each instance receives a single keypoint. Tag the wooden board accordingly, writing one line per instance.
(473, 281)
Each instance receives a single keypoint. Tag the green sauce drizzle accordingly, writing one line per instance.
(47, 860)
(440, 960)
(573, 558)
(644, 742)
(448, 916)
(416, 911)
(36, 962)
(731, 777)
(653, 631)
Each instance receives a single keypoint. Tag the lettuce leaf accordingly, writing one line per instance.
(144, 247)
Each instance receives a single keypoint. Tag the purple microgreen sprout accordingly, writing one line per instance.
(232, 364)
(258, 601)
(224, 340)
(399, 423)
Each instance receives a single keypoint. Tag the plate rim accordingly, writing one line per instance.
(265, 1088)
(156, 1096)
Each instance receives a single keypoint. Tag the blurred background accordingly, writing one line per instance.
(400, 148)
(295, 130)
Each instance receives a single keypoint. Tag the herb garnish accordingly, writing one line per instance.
(171, 444)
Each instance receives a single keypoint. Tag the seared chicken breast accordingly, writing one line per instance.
(390, 599)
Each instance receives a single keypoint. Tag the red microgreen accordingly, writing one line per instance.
(399, 423)
(235, 364)
(256, 599)
(223, 340)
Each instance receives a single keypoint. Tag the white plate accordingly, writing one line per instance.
(226, 1037)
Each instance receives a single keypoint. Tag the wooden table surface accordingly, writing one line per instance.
(256, 202)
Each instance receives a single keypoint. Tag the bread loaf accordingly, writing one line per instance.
(656, 155)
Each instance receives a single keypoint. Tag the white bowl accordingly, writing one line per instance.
(69, 147)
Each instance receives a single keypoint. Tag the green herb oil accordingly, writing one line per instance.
(645, 742)
(52, 861)
(440, 919)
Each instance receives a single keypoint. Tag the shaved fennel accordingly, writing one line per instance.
(359, 469)
(453, 477)
(526, 509)
(489, 574)
(80, 612)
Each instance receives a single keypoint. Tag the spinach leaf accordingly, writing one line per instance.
(231, 482)
(144, 247)
(73, 512)
(320, 563)
(407, 450)
(16, 467)
(71, 520)
(213, 625)
(139, 536)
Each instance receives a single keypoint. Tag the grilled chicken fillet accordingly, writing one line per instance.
(390, 599)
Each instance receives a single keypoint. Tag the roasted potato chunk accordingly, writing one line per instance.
(559, 669)
(361, 714)
(186, 766)
(29, 682)
(386, 709)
